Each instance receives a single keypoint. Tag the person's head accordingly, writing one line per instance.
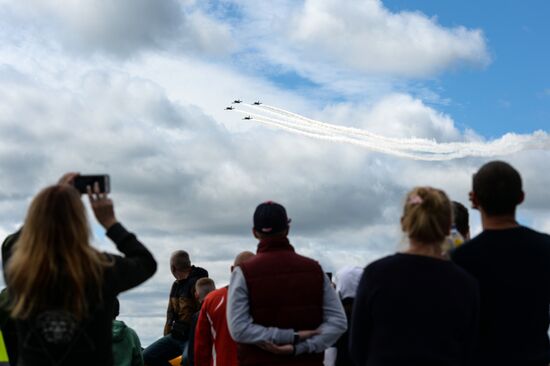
(116, 308)
(270, 220)
(461, 219)
(53, 253)
(497, 189)
(240, 258)
(180, 264)
(203, 287)
(427, 215)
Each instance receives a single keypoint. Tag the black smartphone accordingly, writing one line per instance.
(82, 181)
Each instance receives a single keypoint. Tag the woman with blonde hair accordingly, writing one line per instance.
(62, 290)
(416, 307)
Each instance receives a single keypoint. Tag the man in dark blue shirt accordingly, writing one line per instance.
(512, 265)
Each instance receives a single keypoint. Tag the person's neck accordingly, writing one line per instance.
(426, 249)
(498, 222)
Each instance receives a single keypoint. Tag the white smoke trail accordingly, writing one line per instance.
(322, 135)
(412, 148)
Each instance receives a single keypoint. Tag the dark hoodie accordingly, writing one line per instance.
(183, 304)
(126, 346)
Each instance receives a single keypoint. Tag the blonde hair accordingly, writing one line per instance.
(427, 215)
(53, 252)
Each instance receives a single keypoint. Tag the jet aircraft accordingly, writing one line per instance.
(247, 117)
(230, 108)
(257, 103)
(236, 101)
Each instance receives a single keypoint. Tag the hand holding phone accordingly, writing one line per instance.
(83, 181)
(102, 206)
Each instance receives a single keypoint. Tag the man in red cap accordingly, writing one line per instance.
(283, 308)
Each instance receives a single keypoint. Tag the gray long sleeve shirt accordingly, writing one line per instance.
(244, 330)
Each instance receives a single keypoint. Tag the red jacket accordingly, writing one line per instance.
(213, 343)
(285, 291)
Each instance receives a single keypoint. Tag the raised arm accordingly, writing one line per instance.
(138, 263)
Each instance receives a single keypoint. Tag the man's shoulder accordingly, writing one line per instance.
(198, 272)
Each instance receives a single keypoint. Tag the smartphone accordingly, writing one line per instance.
(82, 181)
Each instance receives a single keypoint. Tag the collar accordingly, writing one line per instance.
(274, 244)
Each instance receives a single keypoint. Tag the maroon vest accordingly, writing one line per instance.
(285, 290)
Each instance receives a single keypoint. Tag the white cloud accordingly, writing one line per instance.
(366, 36)
(397, 115)
(121, 28)
(318, 37)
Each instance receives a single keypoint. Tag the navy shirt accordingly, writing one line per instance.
(414, 310)
(512, 267)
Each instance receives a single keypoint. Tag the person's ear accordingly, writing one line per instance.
(521, 198)
(255, 233)
(232, 268)
(474, 200)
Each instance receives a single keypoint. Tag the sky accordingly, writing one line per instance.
(137, 89)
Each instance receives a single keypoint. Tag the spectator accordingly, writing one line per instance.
(347, 280)
(415, 308)
(203, 287)
(62, 290)
(181, 307)
(126, 344)
(461, 220)
(283, 309)
(7, 327)
(512, 265)
(460, 229)
(213, 343)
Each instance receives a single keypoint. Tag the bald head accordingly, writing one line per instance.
(240, 258)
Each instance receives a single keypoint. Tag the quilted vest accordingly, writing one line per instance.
(285, 291)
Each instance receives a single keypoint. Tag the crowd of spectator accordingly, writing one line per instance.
(446, 299)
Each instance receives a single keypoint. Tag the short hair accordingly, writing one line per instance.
(427, 215)
(180, 260)
(204, 286)
(461, 218)
(498, 188)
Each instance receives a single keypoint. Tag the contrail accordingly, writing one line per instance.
(412, 148)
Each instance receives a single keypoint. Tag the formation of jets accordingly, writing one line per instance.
(237, 101)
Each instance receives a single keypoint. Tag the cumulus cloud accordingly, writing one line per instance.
(366, 36)
(397, 115)
(121, 28)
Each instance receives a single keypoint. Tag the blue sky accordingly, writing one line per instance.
(512, 93)
(137, 88)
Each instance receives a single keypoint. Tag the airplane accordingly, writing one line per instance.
(230, 108)
(237, 101)
(257, 103)
(247, 117)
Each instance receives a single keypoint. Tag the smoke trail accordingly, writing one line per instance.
(412, 148)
